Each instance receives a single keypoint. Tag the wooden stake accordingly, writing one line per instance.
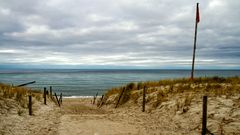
(57, 99)
(101, 101)
(30, 104)
(26, 84)
(204, 116)
(50, 89)
(61, 98)
(144, 100)
(120, 97)
(44, 96)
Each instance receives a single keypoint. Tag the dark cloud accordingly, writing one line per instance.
(150, 33)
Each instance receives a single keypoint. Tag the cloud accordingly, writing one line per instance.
(148, 33)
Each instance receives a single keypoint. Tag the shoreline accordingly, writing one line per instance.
(79, 97)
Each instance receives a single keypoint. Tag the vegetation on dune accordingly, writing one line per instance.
(19, 94)
(212, 86)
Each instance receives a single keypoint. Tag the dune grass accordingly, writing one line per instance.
(19, 94)
(214, 86)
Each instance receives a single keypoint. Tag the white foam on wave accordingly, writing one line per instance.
(77, 96)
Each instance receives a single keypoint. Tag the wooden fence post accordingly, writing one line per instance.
(57, 99)
(120, 97)
(204, 116)
(61, 98)
(30, 104)
(26, 84)
(101, 101)
(50, 89)
(144, 100)
(44, 95)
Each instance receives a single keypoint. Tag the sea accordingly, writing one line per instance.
(88, 82)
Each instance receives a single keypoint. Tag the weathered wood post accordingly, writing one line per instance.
(44, 95)
(50, 89)
(30, 104)
(94, 98)
(144, 99)
(101, 101)
(61, 98)
(120, 97)
(26, 84)
(57, 99)
(204, 116)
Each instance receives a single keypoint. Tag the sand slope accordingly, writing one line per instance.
(45, 119)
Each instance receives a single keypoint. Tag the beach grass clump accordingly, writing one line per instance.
(151, 90)
(131, 86)
(18, 94)
(183, 104)
(125, 95)
(140, 85)
(135, 96)
(127, 92)
(188, 99)
(161, 97)
(6, 91)
(183, 87)
(118, 90)
(20, 111)
(37, 95)
(113, 91)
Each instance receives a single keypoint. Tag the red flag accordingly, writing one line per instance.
(197, 14)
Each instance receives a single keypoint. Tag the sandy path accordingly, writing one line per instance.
(85, 119)
(48, 119)
(82, 118)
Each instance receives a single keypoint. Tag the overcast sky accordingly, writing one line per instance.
(119, 33)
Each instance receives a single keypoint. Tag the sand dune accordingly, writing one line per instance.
(178, 112)
(45, 119)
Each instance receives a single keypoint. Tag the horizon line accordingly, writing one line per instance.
(117, 69)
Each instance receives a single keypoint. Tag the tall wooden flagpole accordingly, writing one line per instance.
(195, 40)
